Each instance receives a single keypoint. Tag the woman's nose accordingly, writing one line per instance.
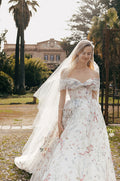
(86, 56)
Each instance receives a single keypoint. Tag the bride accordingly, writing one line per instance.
(69, 140)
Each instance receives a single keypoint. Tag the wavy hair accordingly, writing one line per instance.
(79, 48)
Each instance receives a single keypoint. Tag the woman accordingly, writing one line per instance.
(70, 144)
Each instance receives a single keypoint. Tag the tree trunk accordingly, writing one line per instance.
(17, 63)
(22, 67)
(0, 2)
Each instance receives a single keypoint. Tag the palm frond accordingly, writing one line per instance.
(33, 3)
(12, 8)
(13, 1)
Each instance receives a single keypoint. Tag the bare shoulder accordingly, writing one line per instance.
(64, 73)
(95, 74)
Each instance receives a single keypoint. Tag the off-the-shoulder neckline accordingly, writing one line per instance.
(80, 81)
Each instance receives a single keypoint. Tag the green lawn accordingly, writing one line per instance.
(115, 148)
(28, 98)
(17, 99)
(110, 101)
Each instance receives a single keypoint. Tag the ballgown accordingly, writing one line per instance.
(83, 152)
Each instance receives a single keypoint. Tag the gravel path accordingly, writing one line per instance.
(18, 115)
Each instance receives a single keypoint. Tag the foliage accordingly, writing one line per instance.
(2, 37)
(112, 4)
(81, 20)
(110, 131)
(21, 8)
(67, 46)
(7, 64)
(96, 32)
(36, 72)
(6, 83)
(22, 12)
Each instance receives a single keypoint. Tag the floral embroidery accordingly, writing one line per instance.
(82, 153)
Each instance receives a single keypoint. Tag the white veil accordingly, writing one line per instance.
(45, 124)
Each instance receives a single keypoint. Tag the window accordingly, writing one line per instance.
(45, 57)
(52, 57)
(57, 57)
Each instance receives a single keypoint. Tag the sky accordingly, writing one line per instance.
(50, 21)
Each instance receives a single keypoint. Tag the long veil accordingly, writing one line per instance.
(45, 129)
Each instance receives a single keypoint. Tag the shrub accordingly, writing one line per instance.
(6, 83)
(36, 72)
(7, 64)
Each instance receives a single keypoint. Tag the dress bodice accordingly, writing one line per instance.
(77, 89)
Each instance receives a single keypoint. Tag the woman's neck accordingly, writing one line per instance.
(81, 66)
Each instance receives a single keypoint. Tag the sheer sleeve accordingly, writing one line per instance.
(62, 84)
(95, 89)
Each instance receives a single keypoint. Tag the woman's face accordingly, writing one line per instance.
(85, 55)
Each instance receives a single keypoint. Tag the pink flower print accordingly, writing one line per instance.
(61, 143)
(82, 178)
(95, 117)
(48, 177)
(89, 149)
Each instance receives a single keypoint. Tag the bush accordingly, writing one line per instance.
(7, 64)
(36, 72)
(6, 83)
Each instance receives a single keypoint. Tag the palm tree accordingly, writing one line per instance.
(101, 33)
(22, 14)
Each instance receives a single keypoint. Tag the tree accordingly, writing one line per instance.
(96, 33)
(2, 37)
(81, 20)
(22, 13)
(110, 21)
(112, 3)
(67, 46)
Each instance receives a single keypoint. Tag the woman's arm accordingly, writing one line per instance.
(94, 92)
(60, 110)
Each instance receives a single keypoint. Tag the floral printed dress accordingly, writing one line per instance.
(83, 152)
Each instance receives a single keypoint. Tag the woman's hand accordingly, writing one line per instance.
(60, 129)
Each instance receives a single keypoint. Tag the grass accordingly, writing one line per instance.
(13, 141)
(17, 99)
(110, 101)
(11, 145)
(115, 148)
(6, 111)
(17, 119)
(28, 98)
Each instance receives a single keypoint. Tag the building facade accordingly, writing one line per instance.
(50, 51)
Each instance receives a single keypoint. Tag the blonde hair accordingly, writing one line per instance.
(79, 48)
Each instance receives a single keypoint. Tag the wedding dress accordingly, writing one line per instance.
(83, 152)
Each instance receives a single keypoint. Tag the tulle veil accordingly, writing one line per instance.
(45, 129)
